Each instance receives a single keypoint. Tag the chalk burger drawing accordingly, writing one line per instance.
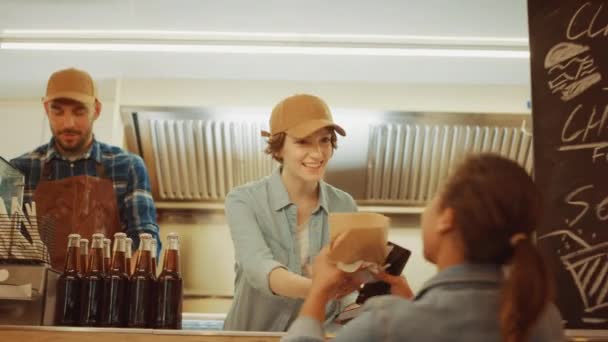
(571, 70)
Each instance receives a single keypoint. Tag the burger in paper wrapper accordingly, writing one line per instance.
(358, 239)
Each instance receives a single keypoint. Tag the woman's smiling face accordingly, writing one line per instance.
(307, 158)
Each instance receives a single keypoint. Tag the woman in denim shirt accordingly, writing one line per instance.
(279, 223)
(481, 221)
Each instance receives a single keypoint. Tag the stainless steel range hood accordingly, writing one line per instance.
(195, 156)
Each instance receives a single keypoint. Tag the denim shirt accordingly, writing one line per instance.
(460, 303)
(263, 224)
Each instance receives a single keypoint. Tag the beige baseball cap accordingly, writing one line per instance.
(301, 115)
(71, 84)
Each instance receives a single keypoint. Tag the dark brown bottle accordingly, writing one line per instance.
(92, 285)
(128, 256)
(115, 286)
(154, 257)
(170, 288)
(142, 287)
(83, 256)
(107, 254)
(67, 308)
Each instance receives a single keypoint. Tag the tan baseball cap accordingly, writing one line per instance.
(71, 84)
(301, 115)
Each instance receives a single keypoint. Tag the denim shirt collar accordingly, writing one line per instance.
(464, 273)
(279, 198)
(94, 152)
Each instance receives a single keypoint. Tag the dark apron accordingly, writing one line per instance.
(81, 204)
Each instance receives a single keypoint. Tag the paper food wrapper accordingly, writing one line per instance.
(357, 238)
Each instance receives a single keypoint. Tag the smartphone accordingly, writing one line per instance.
(396, 259)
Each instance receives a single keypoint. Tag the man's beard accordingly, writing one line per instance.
(73, 148)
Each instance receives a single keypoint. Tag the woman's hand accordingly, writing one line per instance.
(399, 286)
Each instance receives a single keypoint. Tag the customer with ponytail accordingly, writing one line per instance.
(492, 284)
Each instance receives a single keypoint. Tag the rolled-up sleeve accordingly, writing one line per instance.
(251, 250)
(138, 210)
(353, 205)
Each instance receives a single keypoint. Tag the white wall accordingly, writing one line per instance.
(22, 127)
(385, 96)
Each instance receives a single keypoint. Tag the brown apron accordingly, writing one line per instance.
(79, 204)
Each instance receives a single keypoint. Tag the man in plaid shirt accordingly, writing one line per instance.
(96, 173)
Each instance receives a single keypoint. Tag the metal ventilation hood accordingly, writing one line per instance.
(389, 159)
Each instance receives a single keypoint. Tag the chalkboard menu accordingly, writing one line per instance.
(569, 64)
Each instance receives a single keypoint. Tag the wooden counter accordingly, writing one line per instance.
(68, 334)
(61, 334)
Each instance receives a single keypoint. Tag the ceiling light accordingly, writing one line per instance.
(263, 43)
(253, 49)
(265, 36)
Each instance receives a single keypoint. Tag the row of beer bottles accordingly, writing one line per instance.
(107, 255)
(109, 296)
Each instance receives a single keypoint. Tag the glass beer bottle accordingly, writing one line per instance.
(83, 256)
(67, 309)
(142, 287)
(115, 286)
(170, 288)
(128, 256)
(92, 285)
(154, 256)
(107, 254)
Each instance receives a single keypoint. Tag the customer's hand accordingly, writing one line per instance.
(327, 279)
(399, 285)
(326, 282)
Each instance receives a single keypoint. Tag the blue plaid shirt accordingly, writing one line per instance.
(126, 170)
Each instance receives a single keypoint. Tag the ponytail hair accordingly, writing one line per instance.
(525, 293)
(494, 196)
